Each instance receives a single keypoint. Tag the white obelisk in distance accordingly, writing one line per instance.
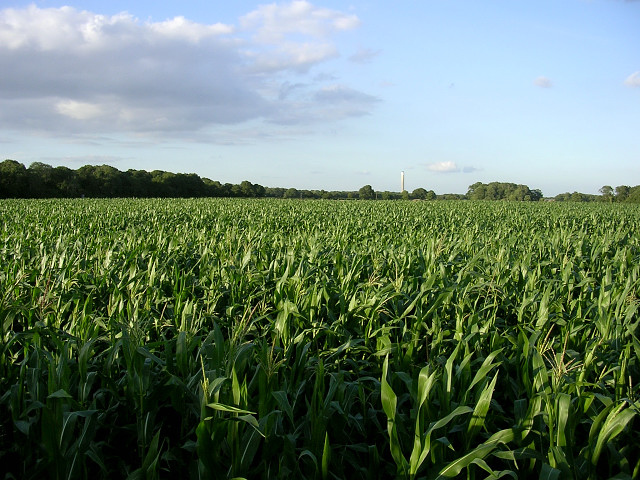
(402, 181)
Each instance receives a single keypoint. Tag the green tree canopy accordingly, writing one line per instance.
(14, 180)
(291, 193)
(503, 191)
(366, 193)
(607, 193)
(419, 194)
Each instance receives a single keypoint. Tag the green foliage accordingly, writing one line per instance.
(621, 194)
(234, 338)
(104, 181)
(366, 193)
(14, 180)
(503, 191)
(422, 194)
(291, 193)
(576, 197)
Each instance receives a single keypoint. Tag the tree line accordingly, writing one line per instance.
(620, 194)
(44, 181)
(40, 180)
(503, 191)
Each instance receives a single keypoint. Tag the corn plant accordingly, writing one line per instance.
(233, 338)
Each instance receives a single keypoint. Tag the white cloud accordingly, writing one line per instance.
(293, 36)
(180, 27)
(64, 66)
(633, 80)
(443, 167)
(78, 110)
(66, 71)
(274, 22)
(543, 82)
(290, 56)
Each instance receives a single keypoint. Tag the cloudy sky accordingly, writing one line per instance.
(329, 94)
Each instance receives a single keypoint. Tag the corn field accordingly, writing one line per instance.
(230, 338)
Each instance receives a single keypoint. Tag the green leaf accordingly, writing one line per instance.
(152, 456)
(389, 403)
(476, 422)
(426, 441)
(250, 420)
(60, 394)
(486, 367)
(326, 457)
(228, 408)
(563, 404)
(549, 473)
(283, 403)
(614, 424)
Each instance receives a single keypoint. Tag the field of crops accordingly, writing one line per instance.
(320, 340)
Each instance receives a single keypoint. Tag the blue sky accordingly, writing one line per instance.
(329, 94)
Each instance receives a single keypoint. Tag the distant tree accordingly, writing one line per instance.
(101, 181)
(227, 189)
(476, 191)
(189, 185)
(581, 197)
(48, 182)
(536, 195)
(236, 191)
(607, 193)
(291, 193)
(246, 189)
(634, 195)
(258, 190)
(502, 191)
(42, 183)
(184, 185)
(419, 194)
(366, 193)
(139, 183)
(493, 192)
(622, 192)
(275, 192)
(422, 194)
(405, 195)
(213, 188)
(452, 196)
(162, 184)
(520, 193)
(308, 194)
(14, 180)
(66, 182)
